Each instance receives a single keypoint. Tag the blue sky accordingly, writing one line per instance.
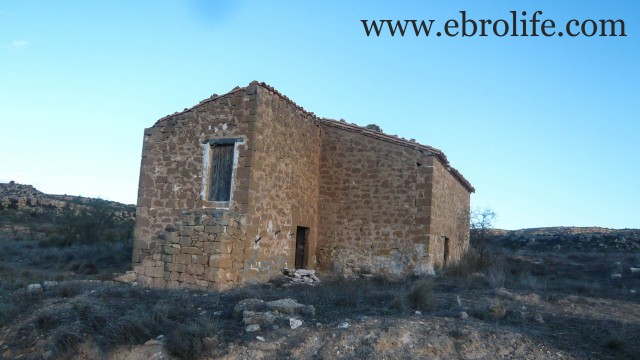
(546, 129)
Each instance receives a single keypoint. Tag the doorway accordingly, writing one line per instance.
(302, 237)
(446, 252)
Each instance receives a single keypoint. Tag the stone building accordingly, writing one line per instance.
(248, 183)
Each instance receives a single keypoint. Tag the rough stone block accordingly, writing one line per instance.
(195, 269)
(210, 247)
(187, 278)
(225, 262)
(148, 262)
(180, 267)
(200, 259)
(158, 283)
(212, 274)
(191, 250)
(185, 230)
(202, 283)
(213, 229)
(144, 280)
(154, 271)
(185, 241)
(182, 259)
(170, 250)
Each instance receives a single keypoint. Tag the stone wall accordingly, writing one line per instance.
(171, 187)
(449, 212)
(284, 186)
(203, 250)
(370, 215)
(274, 190)
(375, 206)
(371, 203)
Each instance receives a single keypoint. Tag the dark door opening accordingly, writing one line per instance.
(446, 251)
(302, 235)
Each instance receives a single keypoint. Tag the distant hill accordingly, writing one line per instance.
(26, 212)
(28, 198)
(587, 239)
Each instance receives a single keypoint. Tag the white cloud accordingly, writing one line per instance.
(16, 44)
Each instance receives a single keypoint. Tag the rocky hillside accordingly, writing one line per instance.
(28, 198)
(27, 213)
(579, 239)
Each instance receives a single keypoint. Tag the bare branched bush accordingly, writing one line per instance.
(495, 277)
(481, 223)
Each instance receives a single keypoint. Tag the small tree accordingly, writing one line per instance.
(481, 223)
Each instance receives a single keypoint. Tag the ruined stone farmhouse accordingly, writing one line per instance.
(248, 183)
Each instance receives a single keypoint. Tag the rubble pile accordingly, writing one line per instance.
(303, 276)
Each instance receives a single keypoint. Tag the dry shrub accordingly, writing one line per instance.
(398, 303)
(46, 320)
(8, 312)
(495, 277)
(66, 341)
(470, 263)
(131, 329)
(345, 293)
(420, 294)
(614, 344)
(532, 282)
(497, 310)
(67, 289)
(187, 340)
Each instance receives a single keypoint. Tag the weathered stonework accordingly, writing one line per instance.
(386, 208)
(365, 201)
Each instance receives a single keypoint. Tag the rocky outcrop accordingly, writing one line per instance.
(27, 198)
(27, 213)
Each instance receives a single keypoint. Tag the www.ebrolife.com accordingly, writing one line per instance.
(521, 24)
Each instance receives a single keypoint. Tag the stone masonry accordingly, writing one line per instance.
(305, 191)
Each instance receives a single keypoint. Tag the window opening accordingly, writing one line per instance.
(221, 172)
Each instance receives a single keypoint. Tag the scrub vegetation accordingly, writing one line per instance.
(540, 293)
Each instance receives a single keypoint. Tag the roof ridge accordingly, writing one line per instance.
(342, 125)
(282, 96)
(404, 142)
(211, 98)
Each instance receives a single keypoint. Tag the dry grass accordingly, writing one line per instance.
(187, 340)
(110, 315)
(420, 295)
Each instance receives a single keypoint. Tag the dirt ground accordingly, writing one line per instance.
(522, 303)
